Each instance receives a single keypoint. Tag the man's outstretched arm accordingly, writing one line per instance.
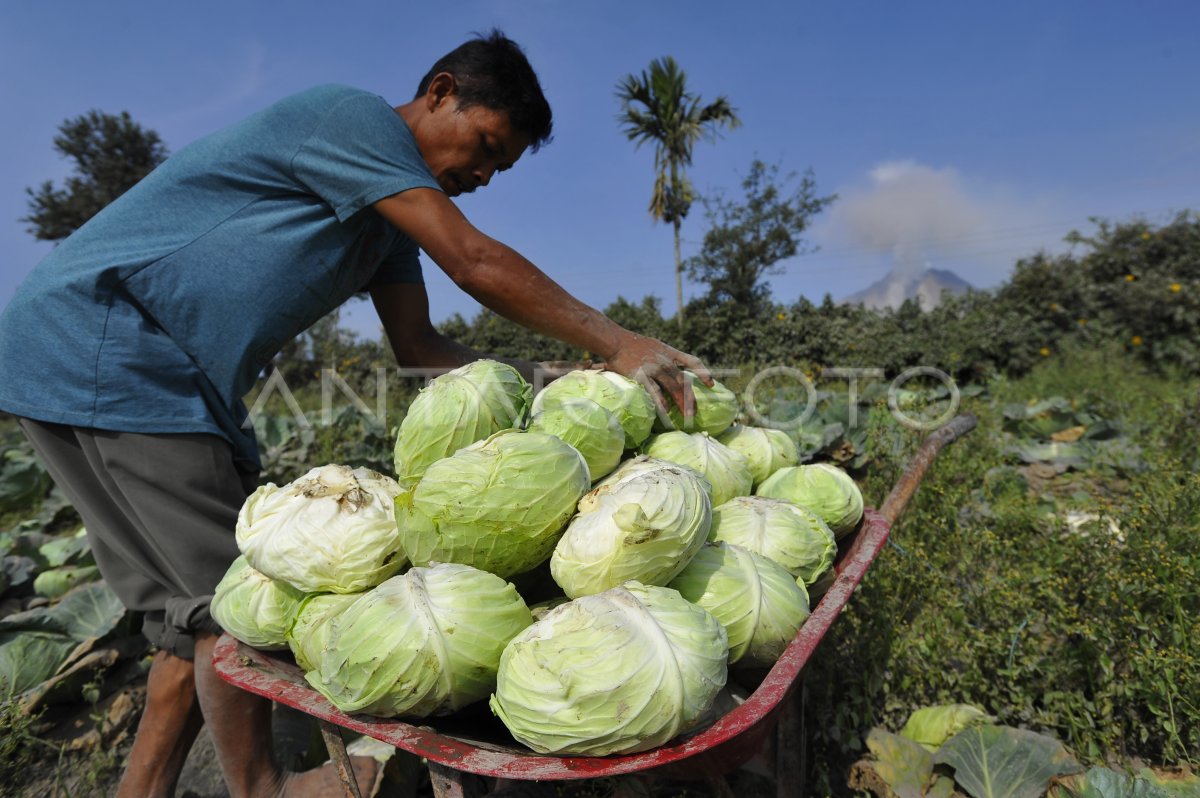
(499, 278)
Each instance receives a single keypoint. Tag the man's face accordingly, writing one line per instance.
(464, 148)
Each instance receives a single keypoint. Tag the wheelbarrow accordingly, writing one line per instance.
(478, 744)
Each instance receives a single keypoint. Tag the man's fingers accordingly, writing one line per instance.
(678, 387)
(697, 367)
(687, 403)
(647, 382)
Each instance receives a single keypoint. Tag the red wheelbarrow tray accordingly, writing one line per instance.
(478, 743)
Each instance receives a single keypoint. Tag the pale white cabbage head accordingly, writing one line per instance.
(456, 409)
(726, 470)
(791, 535)
(587, 426)
(253, 607)
(616, 393)
(715, 410)
(823, 488)
(622, 671)
(498, 505)
(644, 525)
(309, 635)
(330, 531)
(758, 602)
(426, 642)
(643, 463)
(767, 450)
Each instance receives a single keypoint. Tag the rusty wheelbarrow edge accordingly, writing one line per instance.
(264, 675)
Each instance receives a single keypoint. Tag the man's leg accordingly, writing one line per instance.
(160, 513)
(240, 725)
(167, 729)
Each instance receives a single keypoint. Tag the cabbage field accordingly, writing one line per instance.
(1033, 615)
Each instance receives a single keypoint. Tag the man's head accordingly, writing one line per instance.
(492, 72)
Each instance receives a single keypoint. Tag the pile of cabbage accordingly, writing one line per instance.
(676, 549)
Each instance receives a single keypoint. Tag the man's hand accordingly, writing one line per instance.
(659, 368)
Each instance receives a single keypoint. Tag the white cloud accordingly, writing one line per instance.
(919, 216)
(914, 212)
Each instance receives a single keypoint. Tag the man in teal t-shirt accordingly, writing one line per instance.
(127, 351)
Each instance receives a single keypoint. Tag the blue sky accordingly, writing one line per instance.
(957, 135)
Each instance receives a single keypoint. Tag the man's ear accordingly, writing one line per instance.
(442, 87)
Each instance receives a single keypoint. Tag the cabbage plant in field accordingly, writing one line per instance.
(644, 525)
(253, 607)
(457, 409)
(587, 426)
(617, 672)
(767, 450)
(36, 643)
(426, 642)
(498, 504)
(308, 636)
(726, 470)
(759, 603)
(791, 535)
(331, 530)
(823, 488)
(616, 393)
(715, 409)
(56, 582)
(932, 726)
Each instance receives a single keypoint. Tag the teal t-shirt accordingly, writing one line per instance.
(159, 314)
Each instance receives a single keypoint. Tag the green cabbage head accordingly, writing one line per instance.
(330, 531)
(253, 607)
(618, 672)
(823, 488)
(727, 471)
(427, 642)
(587, 426)
(57, 582)
(932, 726)
(309, 635)
(456, 409)
(767, 450)
(498, 505)
(644, 525)
(758, 602)
(616, 393)
(791, 535)
(714, 411)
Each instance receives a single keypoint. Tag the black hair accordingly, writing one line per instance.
(492, 71)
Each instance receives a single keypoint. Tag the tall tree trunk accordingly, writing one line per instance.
(678, 279)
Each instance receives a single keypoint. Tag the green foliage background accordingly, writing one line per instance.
(988, 595)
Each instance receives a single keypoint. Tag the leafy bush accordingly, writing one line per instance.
(1059, 601)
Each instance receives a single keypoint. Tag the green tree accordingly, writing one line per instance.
(658, 108)
(493, 334)
(749, 238)
(110, 154)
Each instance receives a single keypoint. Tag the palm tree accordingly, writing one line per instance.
(657, 107)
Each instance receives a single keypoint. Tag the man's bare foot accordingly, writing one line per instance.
(324, 780)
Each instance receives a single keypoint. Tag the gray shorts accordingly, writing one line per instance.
(160, 512)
